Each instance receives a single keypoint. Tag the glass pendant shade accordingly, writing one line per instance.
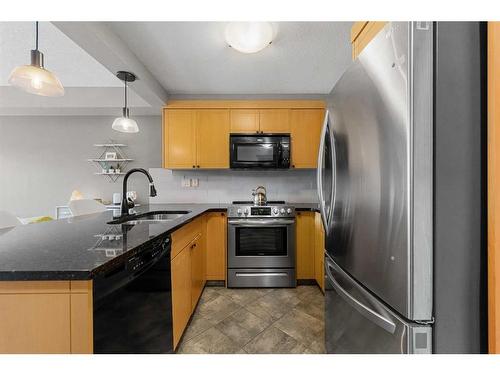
(125, 124)
(34, 78)
(249, 37)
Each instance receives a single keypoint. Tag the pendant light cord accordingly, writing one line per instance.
(125, 92)
(36, 35)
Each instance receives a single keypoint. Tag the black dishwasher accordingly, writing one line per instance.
(133, 302)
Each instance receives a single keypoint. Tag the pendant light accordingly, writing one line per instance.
(34, 78)
(125, 124)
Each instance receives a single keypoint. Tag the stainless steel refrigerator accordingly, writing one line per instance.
(391, 218)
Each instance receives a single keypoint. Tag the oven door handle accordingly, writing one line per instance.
(259, 223)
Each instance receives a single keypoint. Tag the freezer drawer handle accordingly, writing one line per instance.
(364, 310)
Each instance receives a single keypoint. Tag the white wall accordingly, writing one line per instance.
(224, 186)
(44, 158)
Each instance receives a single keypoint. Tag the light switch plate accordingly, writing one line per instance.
(186, 182)
(194, 182)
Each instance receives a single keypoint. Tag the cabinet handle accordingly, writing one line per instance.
(222, 214)
(197, 166)
(293, 165)
(194, 166)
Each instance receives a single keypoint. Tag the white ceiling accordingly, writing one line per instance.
(193, 57)
(74, 67)
(89, 87)
(171, 58)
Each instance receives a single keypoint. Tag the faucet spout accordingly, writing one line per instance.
(128, 204)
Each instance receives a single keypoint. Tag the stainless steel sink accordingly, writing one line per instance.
(150, 217)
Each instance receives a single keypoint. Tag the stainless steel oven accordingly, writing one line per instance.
(257, 151)
(261, 246)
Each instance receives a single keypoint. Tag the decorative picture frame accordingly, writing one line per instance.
(111, 155)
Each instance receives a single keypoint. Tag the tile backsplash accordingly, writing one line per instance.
(225, 186)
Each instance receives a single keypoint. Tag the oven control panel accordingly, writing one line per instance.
(261, 211)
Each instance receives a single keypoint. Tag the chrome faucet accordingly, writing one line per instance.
(128, 203)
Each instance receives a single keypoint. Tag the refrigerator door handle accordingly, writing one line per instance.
(319, 175)
(368, 313)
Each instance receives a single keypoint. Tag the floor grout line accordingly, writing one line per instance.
(244, 306)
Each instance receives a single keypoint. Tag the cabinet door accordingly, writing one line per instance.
(362, 33)
(304, 228)
(305, 129)
(212, 138)
(179, 144)
(197, 270)
(181, 292)
(274, 121)
(35, 323)
(216, 246)
(244, 120)
(319, 253)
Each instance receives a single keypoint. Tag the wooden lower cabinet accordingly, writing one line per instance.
(203, 253)
(45, 317)
(216, 244)
(310, 244)
(304, 230)
(181, 292)
(319, 251)
(197, 270)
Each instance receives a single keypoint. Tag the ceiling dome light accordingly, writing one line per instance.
(34, 78)
(125, 124)
(249, 37)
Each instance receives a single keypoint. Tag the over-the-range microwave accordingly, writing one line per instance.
(259, 151)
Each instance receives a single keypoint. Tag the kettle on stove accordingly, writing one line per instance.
(259, 196)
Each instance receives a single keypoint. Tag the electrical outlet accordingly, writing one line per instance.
(194, 182)
(186, 182)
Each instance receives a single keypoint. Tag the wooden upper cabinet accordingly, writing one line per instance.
(179, 138)
(305, 130)
(244, 120)
(196, 133)
(274, 120)
(212, 134)
(362, 33)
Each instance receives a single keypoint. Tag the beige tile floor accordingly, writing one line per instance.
(257, 321)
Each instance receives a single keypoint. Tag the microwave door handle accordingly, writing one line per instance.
(319, 173)
(382, 321)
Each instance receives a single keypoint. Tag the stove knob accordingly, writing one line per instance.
(282, 211)
(288, 210)
(246, 211)
(239, 211)
(275, 210)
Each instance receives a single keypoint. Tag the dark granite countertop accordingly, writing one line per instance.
(79, 248)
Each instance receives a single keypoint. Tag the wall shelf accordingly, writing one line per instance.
(104, 164)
